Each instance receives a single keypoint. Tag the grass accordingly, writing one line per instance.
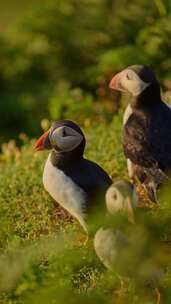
(41, 258)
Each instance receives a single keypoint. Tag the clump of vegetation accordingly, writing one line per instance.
(42, 259)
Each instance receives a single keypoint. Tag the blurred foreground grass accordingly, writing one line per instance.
(41, 258)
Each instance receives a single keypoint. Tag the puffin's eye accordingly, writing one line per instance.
(115, 196)
(128, 76)
(64, 132)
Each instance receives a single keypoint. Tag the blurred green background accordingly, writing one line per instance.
(56, 57)
(56, 60)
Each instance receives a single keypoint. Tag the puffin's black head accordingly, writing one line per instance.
(64, 137)
(134, 79)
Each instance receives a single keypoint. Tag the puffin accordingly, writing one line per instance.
(71, 180)
(112, 244)
(120, 197)
(146, 135)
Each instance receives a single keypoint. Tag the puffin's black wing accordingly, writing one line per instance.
(136, 140)
(147, 138)
(90, 177)
(97, 176)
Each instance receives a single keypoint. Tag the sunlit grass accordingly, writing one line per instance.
(42, 259)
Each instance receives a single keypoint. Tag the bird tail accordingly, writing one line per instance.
(161, 177)
(156, 177)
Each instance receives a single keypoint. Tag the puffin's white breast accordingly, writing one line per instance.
(105, 246)
(109, 244)
(64, 191)
(126, 116)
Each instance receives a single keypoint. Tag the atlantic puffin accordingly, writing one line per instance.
(120, 197)
(146, 135)
(116, 248)
(72, 181)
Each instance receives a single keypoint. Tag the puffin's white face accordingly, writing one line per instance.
(115, 201)
(119, 198)
(128, 81)
(65, 138)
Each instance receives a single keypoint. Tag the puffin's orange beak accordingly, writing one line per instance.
(114, 83)
(39, 145)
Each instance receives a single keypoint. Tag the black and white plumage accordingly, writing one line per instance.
(121, 196)
(110, 243)
(146, 133)
(73, 181)
(125, 251)
(126, 115)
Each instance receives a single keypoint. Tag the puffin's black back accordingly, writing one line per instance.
(90, 177)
